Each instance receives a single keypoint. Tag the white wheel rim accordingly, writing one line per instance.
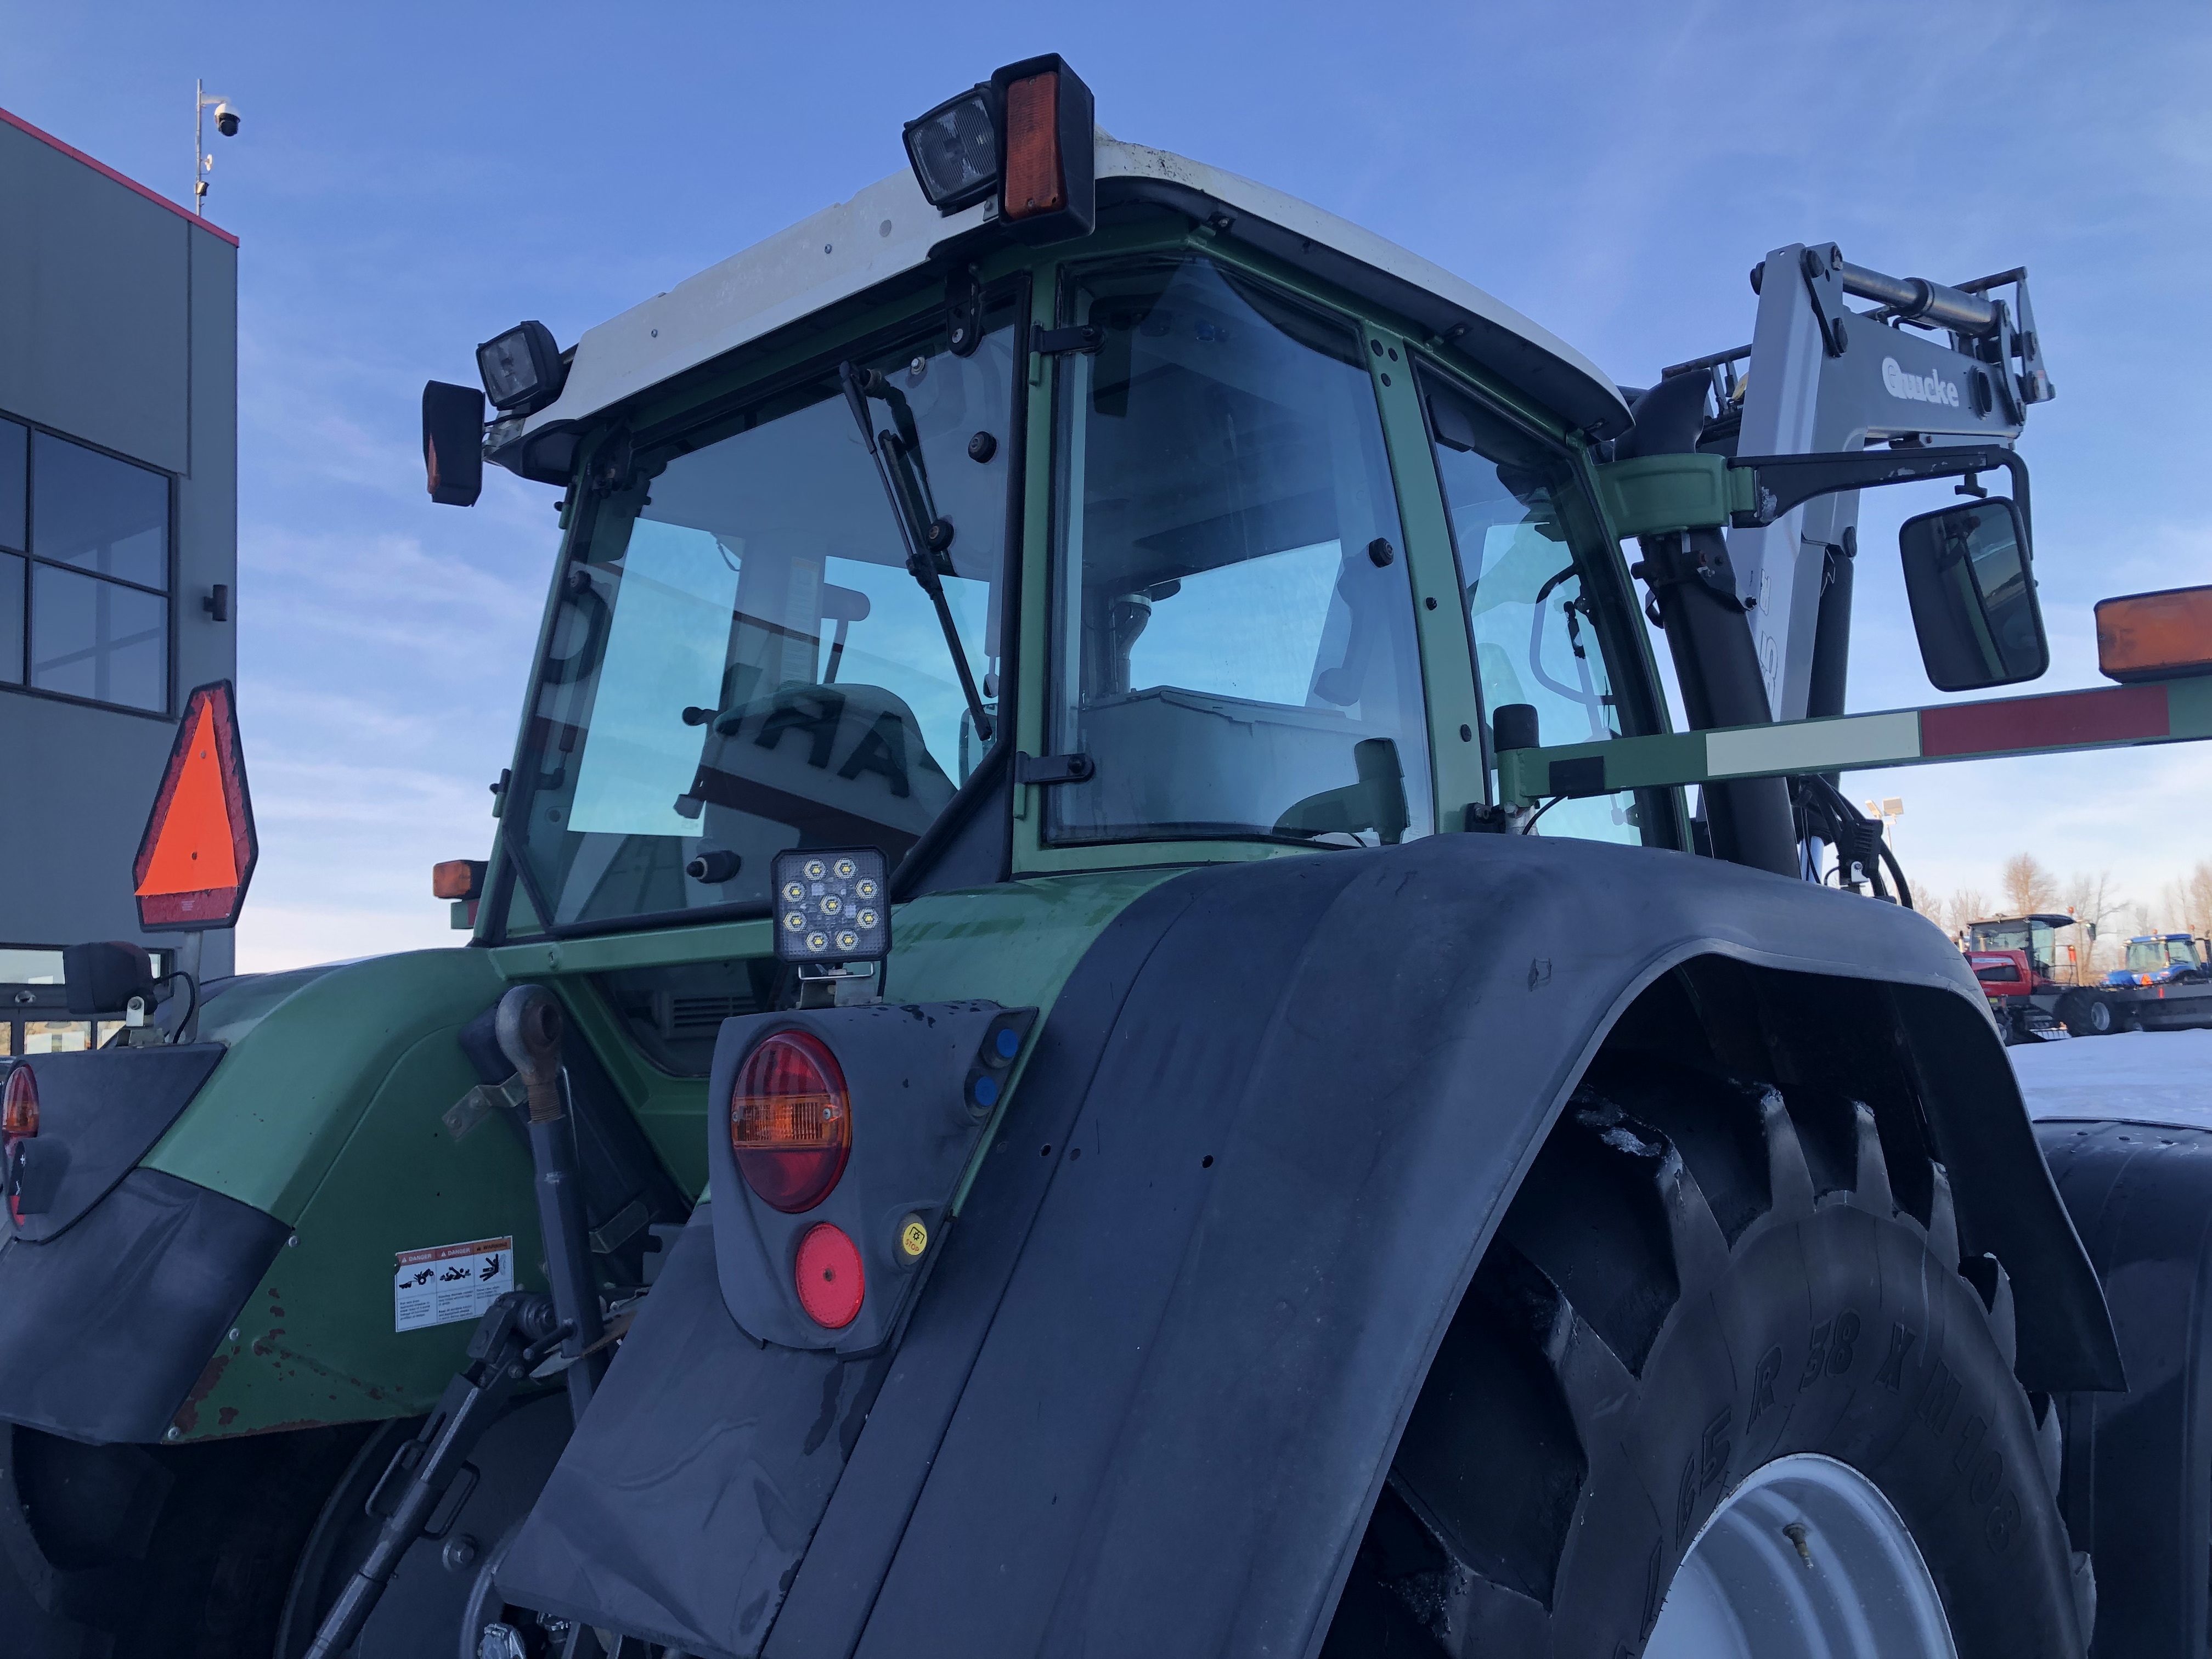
(1857, 1589)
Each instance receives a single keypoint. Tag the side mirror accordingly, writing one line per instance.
(1968, 575)
(102, 979)
(453, 443)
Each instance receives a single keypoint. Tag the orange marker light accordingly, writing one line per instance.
(1035, 182)
(457, 878)
(2142, 637)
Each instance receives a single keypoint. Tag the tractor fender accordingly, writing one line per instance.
(1147, 1399)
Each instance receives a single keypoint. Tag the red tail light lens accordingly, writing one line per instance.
(831, 1280)
(791, 1124)
(19, 1116)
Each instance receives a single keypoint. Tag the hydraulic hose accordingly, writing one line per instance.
(530, 1026)
(1709, 638)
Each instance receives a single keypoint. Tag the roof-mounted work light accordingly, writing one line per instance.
(1025, 135)
(954, 150)
(521, 369)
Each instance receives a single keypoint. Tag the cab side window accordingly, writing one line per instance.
(1541, 635)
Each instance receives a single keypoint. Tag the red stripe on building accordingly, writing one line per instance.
(102, 168)
(2117, 714)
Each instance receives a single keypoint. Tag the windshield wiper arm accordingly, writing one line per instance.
(926, 543)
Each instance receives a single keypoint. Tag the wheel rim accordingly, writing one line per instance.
(1857, 1588)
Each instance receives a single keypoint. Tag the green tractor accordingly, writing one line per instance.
(1104, 1018)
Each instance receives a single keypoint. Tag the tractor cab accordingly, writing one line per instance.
(2033, 938)
(2162, 959)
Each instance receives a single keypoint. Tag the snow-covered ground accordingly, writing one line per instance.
(2164, 1076)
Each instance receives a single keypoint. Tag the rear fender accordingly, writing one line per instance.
(238, 1277)
(1147, 1399)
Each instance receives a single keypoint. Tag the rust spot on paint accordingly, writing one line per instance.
(227, 1416)
(188, 1414)
(276, 1313)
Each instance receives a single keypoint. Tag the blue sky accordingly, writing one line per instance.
(412, 178)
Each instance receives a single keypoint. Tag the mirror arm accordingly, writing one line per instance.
(1784, 482)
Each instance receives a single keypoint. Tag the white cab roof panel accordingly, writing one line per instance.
(889, 228)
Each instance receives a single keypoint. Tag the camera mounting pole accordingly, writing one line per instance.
(226, 122)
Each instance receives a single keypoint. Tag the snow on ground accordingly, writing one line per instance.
(2161, 1077)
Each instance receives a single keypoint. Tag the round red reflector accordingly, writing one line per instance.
(20, 1113)
(791, 1124)
(832, 1281)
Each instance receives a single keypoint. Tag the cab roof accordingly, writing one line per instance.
(889, 229)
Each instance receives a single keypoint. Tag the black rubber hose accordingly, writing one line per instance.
(1709, 639)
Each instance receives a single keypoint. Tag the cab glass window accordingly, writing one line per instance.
(1234, 645)
(740, 661)
(1545, 633)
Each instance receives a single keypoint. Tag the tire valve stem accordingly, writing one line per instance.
(1795, 1532)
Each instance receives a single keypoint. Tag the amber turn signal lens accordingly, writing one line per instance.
(19, 1116)
(2142, 636)
(791, 1125)
(458, 878)
(1036, 183)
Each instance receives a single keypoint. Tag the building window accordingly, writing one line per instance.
(15, 537)
(84, 572)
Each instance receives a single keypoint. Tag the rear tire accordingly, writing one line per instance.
(1698, 1284)
(2086, 1014)
(130, 1552)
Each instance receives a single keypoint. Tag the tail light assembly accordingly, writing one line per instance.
(19, 1125)
(847, 1135)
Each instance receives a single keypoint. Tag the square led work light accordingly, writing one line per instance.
(832, 905)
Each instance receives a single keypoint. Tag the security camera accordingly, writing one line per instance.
(226, 120)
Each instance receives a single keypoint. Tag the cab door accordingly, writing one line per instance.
(1544, 600)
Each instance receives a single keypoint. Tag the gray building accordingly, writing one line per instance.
(118, 535)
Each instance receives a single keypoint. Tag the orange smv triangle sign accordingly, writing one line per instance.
(198, 851)
(192, 849)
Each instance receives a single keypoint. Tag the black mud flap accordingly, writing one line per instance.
(2137, 1479)
(105, 1330)
(1144, 1402)
(687, 1498)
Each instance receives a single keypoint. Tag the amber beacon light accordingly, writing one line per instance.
(2144, 636)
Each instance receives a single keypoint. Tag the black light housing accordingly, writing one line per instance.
(832, 905)
(102, 979)
(521, 369)
(452, 442)
(954, 149)
(1025, 136)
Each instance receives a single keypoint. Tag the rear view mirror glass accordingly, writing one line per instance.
(1973, 588)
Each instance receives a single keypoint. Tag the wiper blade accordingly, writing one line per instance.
(927, 540)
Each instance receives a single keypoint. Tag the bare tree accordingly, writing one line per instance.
(2029, 887)
(2188, 901)
(1953, 912)
(2091, 901)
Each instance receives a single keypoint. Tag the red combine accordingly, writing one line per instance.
(2015, 959)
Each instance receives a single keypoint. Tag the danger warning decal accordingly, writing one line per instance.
(198, 851)
(448, 1283)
